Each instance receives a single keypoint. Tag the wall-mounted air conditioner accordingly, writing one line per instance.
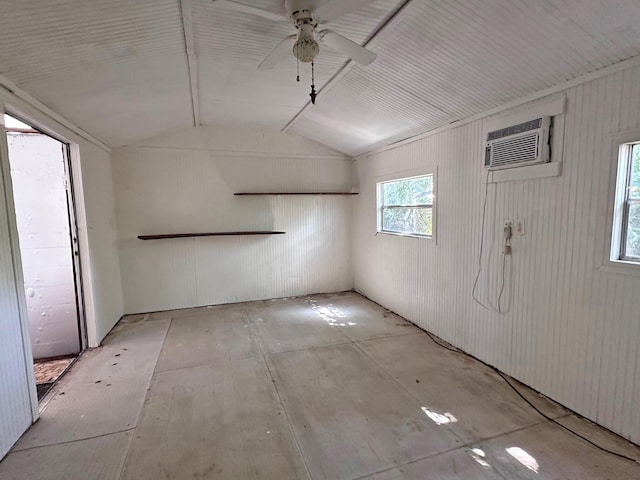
(518, 145)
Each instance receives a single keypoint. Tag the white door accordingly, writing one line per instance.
(17, 387)
(40, 197)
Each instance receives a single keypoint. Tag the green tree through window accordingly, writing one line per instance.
(631, 249)
(407, 206)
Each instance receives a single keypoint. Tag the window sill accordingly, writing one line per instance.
(410, 235)
(621, 267)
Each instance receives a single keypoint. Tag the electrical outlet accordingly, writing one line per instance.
(518, 227)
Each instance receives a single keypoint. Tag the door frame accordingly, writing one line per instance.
(70, 155)
(75, 246)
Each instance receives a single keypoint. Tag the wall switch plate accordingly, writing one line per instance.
(518, 226)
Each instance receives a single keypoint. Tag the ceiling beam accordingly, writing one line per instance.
(377, 36)
(187, 25)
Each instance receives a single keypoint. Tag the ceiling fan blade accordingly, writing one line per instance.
(244, 8)
(336, 8)
(343, 45)
(278, 53)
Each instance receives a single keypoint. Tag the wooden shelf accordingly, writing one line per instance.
(298, 193)
(208, 234)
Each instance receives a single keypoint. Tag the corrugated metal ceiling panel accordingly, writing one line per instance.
(119, 69)
(450, 60)
(116, 68)
(230, 45)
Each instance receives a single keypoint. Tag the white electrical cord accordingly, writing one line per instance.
(504, 262)
(484, 216)
(507, 245)
(555, 421)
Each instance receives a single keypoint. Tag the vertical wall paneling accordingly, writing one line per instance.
(571, 330)
(185, 183)
(95, 212)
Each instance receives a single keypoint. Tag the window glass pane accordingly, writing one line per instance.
(634, 187)
(409, 191)
(632, 245)
(411, 220)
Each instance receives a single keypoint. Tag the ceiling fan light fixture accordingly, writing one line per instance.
(305, 16)
(306, 49)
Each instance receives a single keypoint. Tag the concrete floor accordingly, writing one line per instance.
(322, 387)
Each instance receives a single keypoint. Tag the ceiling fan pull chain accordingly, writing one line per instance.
(313, 84)
(297, 70)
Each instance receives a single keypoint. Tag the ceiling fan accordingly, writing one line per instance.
(306, 18)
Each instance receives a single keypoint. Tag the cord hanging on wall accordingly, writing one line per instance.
(507, 235)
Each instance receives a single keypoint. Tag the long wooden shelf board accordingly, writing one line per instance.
(297, 193)
(206, 234)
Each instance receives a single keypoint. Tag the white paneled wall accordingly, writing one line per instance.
(99, 251)
(185, 183)
(572, 331)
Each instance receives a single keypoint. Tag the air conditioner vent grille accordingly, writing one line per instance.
(515, 129)
(515, 150)
(523, 144)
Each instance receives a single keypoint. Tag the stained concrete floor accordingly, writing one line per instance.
(320, 387)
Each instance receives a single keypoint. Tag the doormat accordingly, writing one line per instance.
(48, 370)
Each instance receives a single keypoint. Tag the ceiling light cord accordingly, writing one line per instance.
(313, 93)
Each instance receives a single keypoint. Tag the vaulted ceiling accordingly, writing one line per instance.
(128, 70)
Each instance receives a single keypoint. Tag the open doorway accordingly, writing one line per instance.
(45, 216)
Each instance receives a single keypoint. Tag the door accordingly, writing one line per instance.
(42, 201)
(17, 385)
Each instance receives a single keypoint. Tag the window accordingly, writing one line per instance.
(405, 206)
(629, 182)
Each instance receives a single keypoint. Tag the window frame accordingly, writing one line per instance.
(612, 261)
(626, 158)
(406, 175)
